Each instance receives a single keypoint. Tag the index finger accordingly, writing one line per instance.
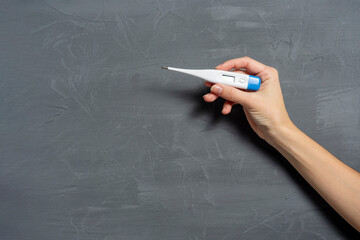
(252, 66)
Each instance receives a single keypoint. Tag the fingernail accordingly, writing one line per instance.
(217, 90)
(219, 65)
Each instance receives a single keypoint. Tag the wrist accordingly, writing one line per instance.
(280, 133)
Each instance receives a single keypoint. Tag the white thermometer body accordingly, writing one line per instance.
(234, 79)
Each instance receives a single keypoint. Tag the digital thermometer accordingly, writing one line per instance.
(234, 79)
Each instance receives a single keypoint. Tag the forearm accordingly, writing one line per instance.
(336, 182)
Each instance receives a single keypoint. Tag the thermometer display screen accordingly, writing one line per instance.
(228, 78)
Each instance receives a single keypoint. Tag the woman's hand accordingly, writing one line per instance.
(264, 109)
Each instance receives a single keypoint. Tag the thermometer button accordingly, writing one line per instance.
(242, 79)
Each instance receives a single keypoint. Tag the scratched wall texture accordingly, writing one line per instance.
(97, 142)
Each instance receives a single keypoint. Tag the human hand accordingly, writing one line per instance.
(264, 109)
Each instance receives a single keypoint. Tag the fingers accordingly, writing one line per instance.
(269, 73)
(227, 107)
(208, 84)
(232, 94)
(252, 66)
(210, 97)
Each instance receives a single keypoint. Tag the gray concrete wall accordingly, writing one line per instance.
(97, 142)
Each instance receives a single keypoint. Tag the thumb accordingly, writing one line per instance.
(231, 94)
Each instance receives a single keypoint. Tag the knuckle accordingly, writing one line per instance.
(270, 72)
(231, 94)
(273, 70)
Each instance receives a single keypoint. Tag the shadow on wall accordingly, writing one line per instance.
(237, 120)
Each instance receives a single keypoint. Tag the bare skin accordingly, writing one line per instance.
(265, 110)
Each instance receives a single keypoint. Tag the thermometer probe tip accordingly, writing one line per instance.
(164, 67)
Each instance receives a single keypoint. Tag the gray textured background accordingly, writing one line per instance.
(97, 142)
